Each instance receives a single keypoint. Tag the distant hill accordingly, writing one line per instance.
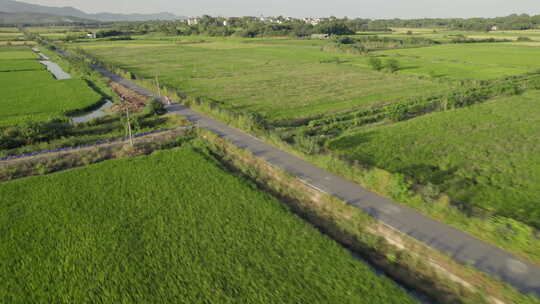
(106, 17)
(10, 6)
(40, 19)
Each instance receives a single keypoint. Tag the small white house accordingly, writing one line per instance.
(90, 35)
(320, 36)
(193, 21)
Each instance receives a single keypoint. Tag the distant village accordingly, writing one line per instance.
(275, 20)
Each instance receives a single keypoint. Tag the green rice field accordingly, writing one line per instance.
(487, 155)
(445, 35)
(10, 34)
(278, 78)
(467, 61)
(173, 227)
(29, 92)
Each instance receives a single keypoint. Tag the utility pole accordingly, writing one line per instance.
(157, 85)
(130, 134)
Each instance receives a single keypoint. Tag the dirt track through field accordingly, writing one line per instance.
(466, 249)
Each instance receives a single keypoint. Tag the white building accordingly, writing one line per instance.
(313, 21)
(193, 21)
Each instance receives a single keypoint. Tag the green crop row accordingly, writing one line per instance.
(170, 227)
(29, 92)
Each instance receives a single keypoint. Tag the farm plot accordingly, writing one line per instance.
(486, 155)
(170, 227)
(29, 92)
(18, 59)
(467, 61)
(11, 36)
(281, 79)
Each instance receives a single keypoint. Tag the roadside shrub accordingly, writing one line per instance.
(256, 120)
(430, 192)
(509, 89)
(30, 131)
(307, 144)
(399, 186)
(375, 63)
(398, 112)
(343, 40)
(156, 107)
(392, 65)
(7, 142)
(524, 39)
(55, 129)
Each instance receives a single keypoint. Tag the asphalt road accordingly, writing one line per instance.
(466, 249)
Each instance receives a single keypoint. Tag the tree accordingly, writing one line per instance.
(375, 63)
(334, 28)
(523, 38)
(30, 131)
(392, 65)
(156, 107)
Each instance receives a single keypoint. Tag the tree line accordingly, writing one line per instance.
(281, 26)
(511, 22)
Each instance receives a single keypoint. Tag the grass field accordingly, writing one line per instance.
(468, 61)
(11, 36)
(279, 78)
(30, 92)
(172, 227)
(486, 155)
(445, 35)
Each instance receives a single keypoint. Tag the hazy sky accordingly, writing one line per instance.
(302, 8)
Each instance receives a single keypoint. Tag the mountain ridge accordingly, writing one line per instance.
(41, 19)
(12, 6)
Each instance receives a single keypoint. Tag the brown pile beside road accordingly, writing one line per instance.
(134, 100)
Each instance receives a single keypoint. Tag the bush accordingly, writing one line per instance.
(7, 142)
(30, 131)
(524, 39)
(307, 144)
(56, 128)
(156, 107)
(334, 28)
(392, 65)
(375, 63)
(344, 40)
(398, 112)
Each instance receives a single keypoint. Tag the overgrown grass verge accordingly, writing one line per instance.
(66, 135)
(58, 161)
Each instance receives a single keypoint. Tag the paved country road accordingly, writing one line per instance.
(466, 249)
